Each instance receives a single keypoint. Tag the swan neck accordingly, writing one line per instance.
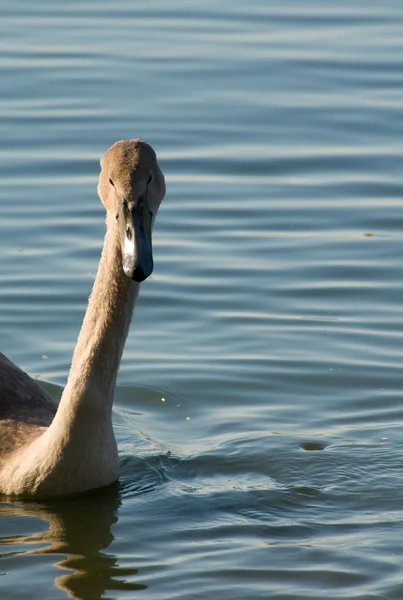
(103, 334)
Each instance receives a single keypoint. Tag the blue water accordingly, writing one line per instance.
(272, 326)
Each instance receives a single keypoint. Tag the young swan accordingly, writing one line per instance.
(48, 451)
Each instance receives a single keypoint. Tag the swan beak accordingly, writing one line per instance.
(135, 222)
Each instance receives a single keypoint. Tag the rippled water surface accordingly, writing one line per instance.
(272, 326)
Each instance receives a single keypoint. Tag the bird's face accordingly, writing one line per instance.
(131, 187)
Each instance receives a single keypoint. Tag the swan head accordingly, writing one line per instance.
(131, 187)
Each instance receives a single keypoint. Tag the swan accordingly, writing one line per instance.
(48, 450)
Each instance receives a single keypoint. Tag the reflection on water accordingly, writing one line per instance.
(77, 533)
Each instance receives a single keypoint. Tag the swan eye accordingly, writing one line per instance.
(149, 179)
(111, 182)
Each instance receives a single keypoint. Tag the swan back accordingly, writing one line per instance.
(26, 410)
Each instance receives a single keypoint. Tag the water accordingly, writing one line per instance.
(272, 325)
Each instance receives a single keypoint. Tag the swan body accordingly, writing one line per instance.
(48, 450)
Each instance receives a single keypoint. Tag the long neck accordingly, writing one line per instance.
(103, 334)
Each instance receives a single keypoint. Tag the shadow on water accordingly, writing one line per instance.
(78, 532)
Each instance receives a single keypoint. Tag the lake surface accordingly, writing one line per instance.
(272, 326)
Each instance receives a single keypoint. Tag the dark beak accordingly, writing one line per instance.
(135, 221)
